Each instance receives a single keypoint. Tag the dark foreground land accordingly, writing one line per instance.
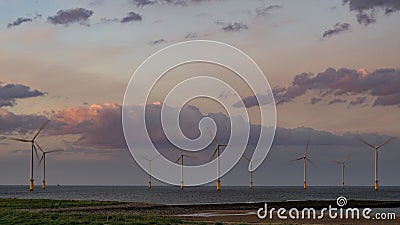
(42, 211)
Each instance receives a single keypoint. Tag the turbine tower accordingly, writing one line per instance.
(251, 172)
(217, 152)
(150, 160)
(342, 163)
(43, 159)
(181, 157)
(375, 148)
(305, 159)
(33, 150)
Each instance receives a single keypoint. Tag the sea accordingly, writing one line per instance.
(171, 195)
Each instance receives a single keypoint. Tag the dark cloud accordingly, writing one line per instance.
(382, 83)
(190, 35)
(141, 3)
(251, 101)
(18, 22)
(131, 17)
(337, 29)
(234, 27)
(366, 8)
(336, 101)
(21, 124)
(68, 16)
(9, 93)
(358, 101)
(315, 100)
(159, 41)
(264, 10)
(366, 19)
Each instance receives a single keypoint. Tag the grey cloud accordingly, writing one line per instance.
(336, 101)
(264, 10)
(131, 17)
(18, 22)
(315, 100)
(381, 83)
(358, 101)
(337, 29)
(68, 16)
(159, 41)
(22, 124)
(190, 35)
(366, 8)
(234, 27)
(141, 3)
(9, 93)
(251, 101)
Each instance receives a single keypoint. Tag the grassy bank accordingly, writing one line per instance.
(39, 211)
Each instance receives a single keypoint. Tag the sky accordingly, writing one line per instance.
(332, 65)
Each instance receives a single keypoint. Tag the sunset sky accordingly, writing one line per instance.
(333, 66)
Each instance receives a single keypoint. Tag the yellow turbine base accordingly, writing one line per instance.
(182, 185)
(149, 185)
(31, 185)
(376, 187)
(305, 185)
(218, 185)
(43, 185)
(251, 185)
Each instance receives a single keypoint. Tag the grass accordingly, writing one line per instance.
(19, 211)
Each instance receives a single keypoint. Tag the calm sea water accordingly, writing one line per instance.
(197, 195)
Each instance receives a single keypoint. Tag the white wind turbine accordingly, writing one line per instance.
(305, 159)
(342, 163)
(217, 152)
(150, 160)
(43, 159)
(181, 157)
(251, 171)
(33, 149)
(375, 148)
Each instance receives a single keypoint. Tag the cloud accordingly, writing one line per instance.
(336, 101)
(234, 27)
(131, 17)
(366, 9)
(191, 35)
(315, 100)
(382, 84)
(141, 3)
(251, 101)
(358, 101)
(159, 41)
(337, 29)
(68, 16)
(18, 22)
(9, 93)
(264, 10)
(22, 124)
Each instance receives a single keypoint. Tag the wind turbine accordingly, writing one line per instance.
(150, 160)
(251, 172)
(305, 159)
(217, 152)
(43, 159)
(375, 148)
(33, 149)
(342, 163)
(181, 156)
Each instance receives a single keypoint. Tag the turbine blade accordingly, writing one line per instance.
(41, 128)
(178, 159)
(385, 142)
(40, 162)
(212, 136)
(223, 145)
(36, 153)
(190, 156)
(296, 159)
(308, 143)
(215, 152)
(246, 158)
(37, 144)
(55, 150)
(312, 163)
(366, 143)
(17, 139)
(336, 162)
